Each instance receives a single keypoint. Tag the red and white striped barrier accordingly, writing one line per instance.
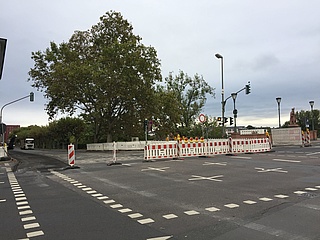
(209, 148)
(71, 155)
(192, 149)
(160, 150)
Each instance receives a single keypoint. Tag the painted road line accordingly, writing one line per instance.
(116, 206)
(103, 197)
(231, 205)
(215, 163)
(265, 199)
(191, 212)
(239, 157)
(163, 169)
(250, 202)
(125, 210)
(22, 203)
(31, 225)
(169, 216)
(279, 170)
(35, 234)
(286, 160)
(25, 212)
(109, 201)
(281, 196)
(213, 178)
(309, 154)
(213, 209)
(96, 195)
(24, 207)
(311, 189)
(146, 221)
(3, 200)
(135, 215)
(91, 192)
(299, 192)
(25, 219)
(160, 238)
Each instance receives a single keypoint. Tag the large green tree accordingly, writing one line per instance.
(183, 98)
(105, 74)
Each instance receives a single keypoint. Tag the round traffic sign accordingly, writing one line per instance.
(202, 118)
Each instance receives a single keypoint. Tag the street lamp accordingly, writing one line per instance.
(311, 105)
(278, 99)
(219, 56)
(30, 96)
(235, 111)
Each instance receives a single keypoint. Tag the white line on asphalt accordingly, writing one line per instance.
(312, 153)
(169, 216)
(231, 205)
(135, 215)
(28, 219)
(160, 238)
(212, 209)
(285, 160)
(145, 221)
(213, 178)
(3, 200)
(249, 202)
(35, 234)
(31, 225)
(191, 212)
(241, 157)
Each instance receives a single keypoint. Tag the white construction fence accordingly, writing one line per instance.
(163, 150)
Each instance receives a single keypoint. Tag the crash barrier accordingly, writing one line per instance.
(208, 148)
(306, 140)
(3, 152)
(71, 155)
(161, 150)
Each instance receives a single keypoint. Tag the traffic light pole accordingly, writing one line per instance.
(31, 96)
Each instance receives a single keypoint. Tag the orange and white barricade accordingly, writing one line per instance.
(160, 151)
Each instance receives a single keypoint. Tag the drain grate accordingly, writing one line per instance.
(309, 195)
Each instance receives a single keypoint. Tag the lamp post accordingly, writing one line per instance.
(235, 111)
(30, 96)
(278, 99)
(311, 105)
(219, 56)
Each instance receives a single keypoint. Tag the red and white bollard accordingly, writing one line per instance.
(71, 155)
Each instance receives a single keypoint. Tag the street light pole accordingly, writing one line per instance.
(31, 96)
(312, 120)
(219, 56)
(278, 99)
(235, 111)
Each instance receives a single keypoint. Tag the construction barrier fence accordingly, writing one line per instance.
(164, 150)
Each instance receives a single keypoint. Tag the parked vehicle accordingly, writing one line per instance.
(27, 143)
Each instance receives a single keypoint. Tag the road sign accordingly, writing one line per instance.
(202, 118)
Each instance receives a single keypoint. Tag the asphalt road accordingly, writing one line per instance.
(249, 196)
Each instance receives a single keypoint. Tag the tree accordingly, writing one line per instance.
(189, 98)
(105, 74)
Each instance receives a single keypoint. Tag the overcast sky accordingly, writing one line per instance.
(273, 44)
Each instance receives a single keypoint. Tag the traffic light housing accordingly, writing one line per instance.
(248, 88)
(231, 120)
(219, 119)
(146, 125)
(31, 97)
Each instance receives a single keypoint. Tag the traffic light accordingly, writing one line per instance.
(225, 119)
(248, 88)
(231, 120)
(146, 125)
(31, 97)
(219, 119)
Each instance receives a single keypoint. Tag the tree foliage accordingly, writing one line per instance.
(105, 73)
(188, 96)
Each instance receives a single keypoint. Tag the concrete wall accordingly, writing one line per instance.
(286, 136)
